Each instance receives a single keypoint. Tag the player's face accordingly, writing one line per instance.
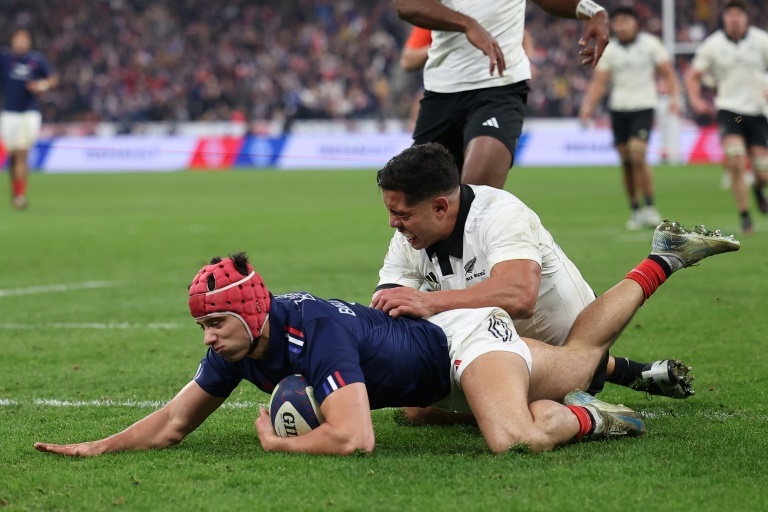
(624, 27)
(21, 43)
(735, 22)
(419, 223)
(226, 335)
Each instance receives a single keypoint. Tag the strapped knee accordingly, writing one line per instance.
(760, 164)
(734, 149)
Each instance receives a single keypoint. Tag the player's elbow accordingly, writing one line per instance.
(350, 443)
(522, 306)
(405, 10)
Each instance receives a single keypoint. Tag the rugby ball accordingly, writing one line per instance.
(293, 409)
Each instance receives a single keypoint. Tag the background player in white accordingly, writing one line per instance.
(492, 370)
(631, 62)
(472, 106)
(466, 246)
(737, 59)
(24, 74)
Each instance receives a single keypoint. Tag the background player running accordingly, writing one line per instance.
(736, 57)
(359, 359)
(630, 63)
(25, 74)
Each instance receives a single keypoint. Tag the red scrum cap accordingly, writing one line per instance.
(221, 289)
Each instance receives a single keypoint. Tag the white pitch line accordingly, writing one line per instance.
(92, 325)
(146, 404)
(51, 288)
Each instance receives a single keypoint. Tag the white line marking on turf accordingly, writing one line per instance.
(87, 285)
(93, 325)
(146, 404)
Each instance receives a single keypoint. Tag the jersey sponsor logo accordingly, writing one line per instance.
(295, 338)
(431, 278)
(341, 307)
(296, 297)
(492, 122)
(499, 328)
(475, 275)
(333, 382)
(470, 265)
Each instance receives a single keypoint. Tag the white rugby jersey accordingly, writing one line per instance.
(633, 71)
(454, 64)
(738, 68)
(494, 226)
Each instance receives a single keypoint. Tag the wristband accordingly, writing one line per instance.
(586, 9)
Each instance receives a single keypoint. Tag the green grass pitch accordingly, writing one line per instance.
(143, 236)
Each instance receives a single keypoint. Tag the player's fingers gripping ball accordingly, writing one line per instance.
(293, 409)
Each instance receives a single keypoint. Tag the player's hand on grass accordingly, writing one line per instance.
(89, 449)
(486, 43)
(597, 28)
(264, 429)
(401, 301)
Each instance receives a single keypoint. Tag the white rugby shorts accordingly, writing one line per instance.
(20, 130)
(472, 333)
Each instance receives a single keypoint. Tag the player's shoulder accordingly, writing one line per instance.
(758, 34)
(489, 199)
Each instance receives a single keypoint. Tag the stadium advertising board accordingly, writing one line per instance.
(341, 151)
(117, 154)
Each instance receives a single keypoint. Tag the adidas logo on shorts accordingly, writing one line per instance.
(491, 122)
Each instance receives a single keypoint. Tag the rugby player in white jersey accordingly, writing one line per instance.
(630, 64)
(474, 105)
(357, 359)
(736, 57)
(467, 246)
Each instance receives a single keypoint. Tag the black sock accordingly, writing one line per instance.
(598, 379)
(626, 371)
(634, 205)
(649, 200)
(746, 220)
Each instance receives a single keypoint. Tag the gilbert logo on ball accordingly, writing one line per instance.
(293, 409)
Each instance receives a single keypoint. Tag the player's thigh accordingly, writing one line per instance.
(441, 119)
(558, 370)
(733, 133)
(498, 113)
(757, 136)
(496, 388)
(620, 126)
(640, 125)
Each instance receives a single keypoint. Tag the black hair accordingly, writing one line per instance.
(420, 172)
(625, 10)
(240, 260)
(739, 4)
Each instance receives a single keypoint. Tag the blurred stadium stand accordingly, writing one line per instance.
(136, 61)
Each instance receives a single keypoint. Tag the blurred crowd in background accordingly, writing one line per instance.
(151, 60)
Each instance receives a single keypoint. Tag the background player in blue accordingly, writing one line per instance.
(359, 358)
(24, 74)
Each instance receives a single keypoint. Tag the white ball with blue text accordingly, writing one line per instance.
(293, 409)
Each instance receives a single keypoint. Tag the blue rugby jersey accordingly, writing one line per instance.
(16, 71)
(403, 362)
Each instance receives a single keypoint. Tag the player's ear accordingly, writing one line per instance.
(440, 205)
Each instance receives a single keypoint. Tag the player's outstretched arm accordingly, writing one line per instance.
(433, 15)
(164, 427)
(597, 27)
(347, 428)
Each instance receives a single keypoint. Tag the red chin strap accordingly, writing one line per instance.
(220, 289)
